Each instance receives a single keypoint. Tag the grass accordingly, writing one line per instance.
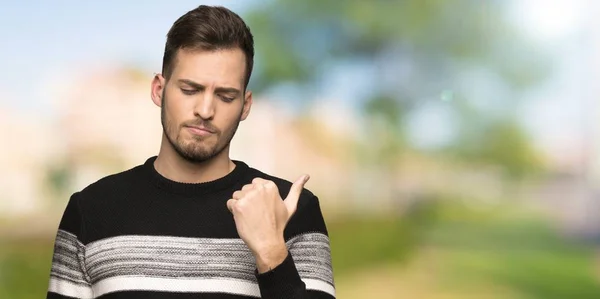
(501, 247)
(25, 268)
(524, 253)
(365, 242)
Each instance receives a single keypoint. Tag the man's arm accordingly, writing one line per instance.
(287, 237)
(68, 277)
(306, 271)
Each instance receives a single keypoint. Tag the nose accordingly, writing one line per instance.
(205, 106)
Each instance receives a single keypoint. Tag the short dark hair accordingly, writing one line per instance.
(209, 28)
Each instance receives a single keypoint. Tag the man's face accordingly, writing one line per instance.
(203, 102)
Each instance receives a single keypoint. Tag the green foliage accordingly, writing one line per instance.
(499, 246)
(417, 48)
(508, 146)
(521, 252)
(25, 268)
(359, 242)
(387, 137)
(59, 178)
(294, 39)
(504, 144)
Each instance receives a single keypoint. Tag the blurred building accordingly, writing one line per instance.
(108, 123)
(27, 148)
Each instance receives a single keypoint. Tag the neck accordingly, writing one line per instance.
(172, 166)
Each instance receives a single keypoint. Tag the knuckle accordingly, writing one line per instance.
(240, 205)
(231, 204)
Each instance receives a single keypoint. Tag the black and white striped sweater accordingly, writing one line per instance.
(137, 234)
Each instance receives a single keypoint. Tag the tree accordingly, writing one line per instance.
(413, 48)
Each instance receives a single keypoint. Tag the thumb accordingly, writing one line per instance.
(291, 201)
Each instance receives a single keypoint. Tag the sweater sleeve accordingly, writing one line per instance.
(306, 273)
(68, 276)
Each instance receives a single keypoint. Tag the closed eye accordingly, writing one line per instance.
(189, 91)
(194, 91)
(226, 99)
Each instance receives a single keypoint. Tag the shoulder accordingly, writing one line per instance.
(111, 185)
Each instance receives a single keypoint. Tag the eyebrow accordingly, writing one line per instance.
(202, 87)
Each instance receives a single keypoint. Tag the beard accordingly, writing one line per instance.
(196, 150)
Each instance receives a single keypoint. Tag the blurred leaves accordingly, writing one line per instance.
(360, 243)
(387, 137)
(294, 39)
(498, 141)
(59, 179)
(417, 49)
(505, 144)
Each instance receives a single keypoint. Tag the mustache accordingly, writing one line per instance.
(201, 123)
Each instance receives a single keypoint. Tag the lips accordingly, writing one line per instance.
(201, 128)
(199, 131)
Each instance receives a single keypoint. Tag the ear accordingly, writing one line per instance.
(247, 104)
(157, 87)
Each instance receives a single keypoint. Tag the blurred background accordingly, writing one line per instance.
(454, 145)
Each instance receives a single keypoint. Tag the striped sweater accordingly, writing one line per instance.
(137, 234)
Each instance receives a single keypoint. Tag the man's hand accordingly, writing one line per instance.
(260, 217)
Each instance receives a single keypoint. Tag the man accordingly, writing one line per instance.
(190, 222)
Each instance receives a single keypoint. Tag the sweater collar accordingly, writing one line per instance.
(226, 182)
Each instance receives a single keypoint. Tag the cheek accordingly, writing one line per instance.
(232, 116)
(176, 110)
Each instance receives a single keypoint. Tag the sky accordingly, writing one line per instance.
(43, 40)
(559, 112)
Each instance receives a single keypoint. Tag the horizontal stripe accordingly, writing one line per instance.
(205, 258)
(69, 289)
(162, 284)
(319, 285)
(177, 264)
(312, 256)
(200, 285)
(67, 259)
(167, 256)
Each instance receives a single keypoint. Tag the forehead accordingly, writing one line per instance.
(219, 67)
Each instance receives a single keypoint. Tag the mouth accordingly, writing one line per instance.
(200, 131)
